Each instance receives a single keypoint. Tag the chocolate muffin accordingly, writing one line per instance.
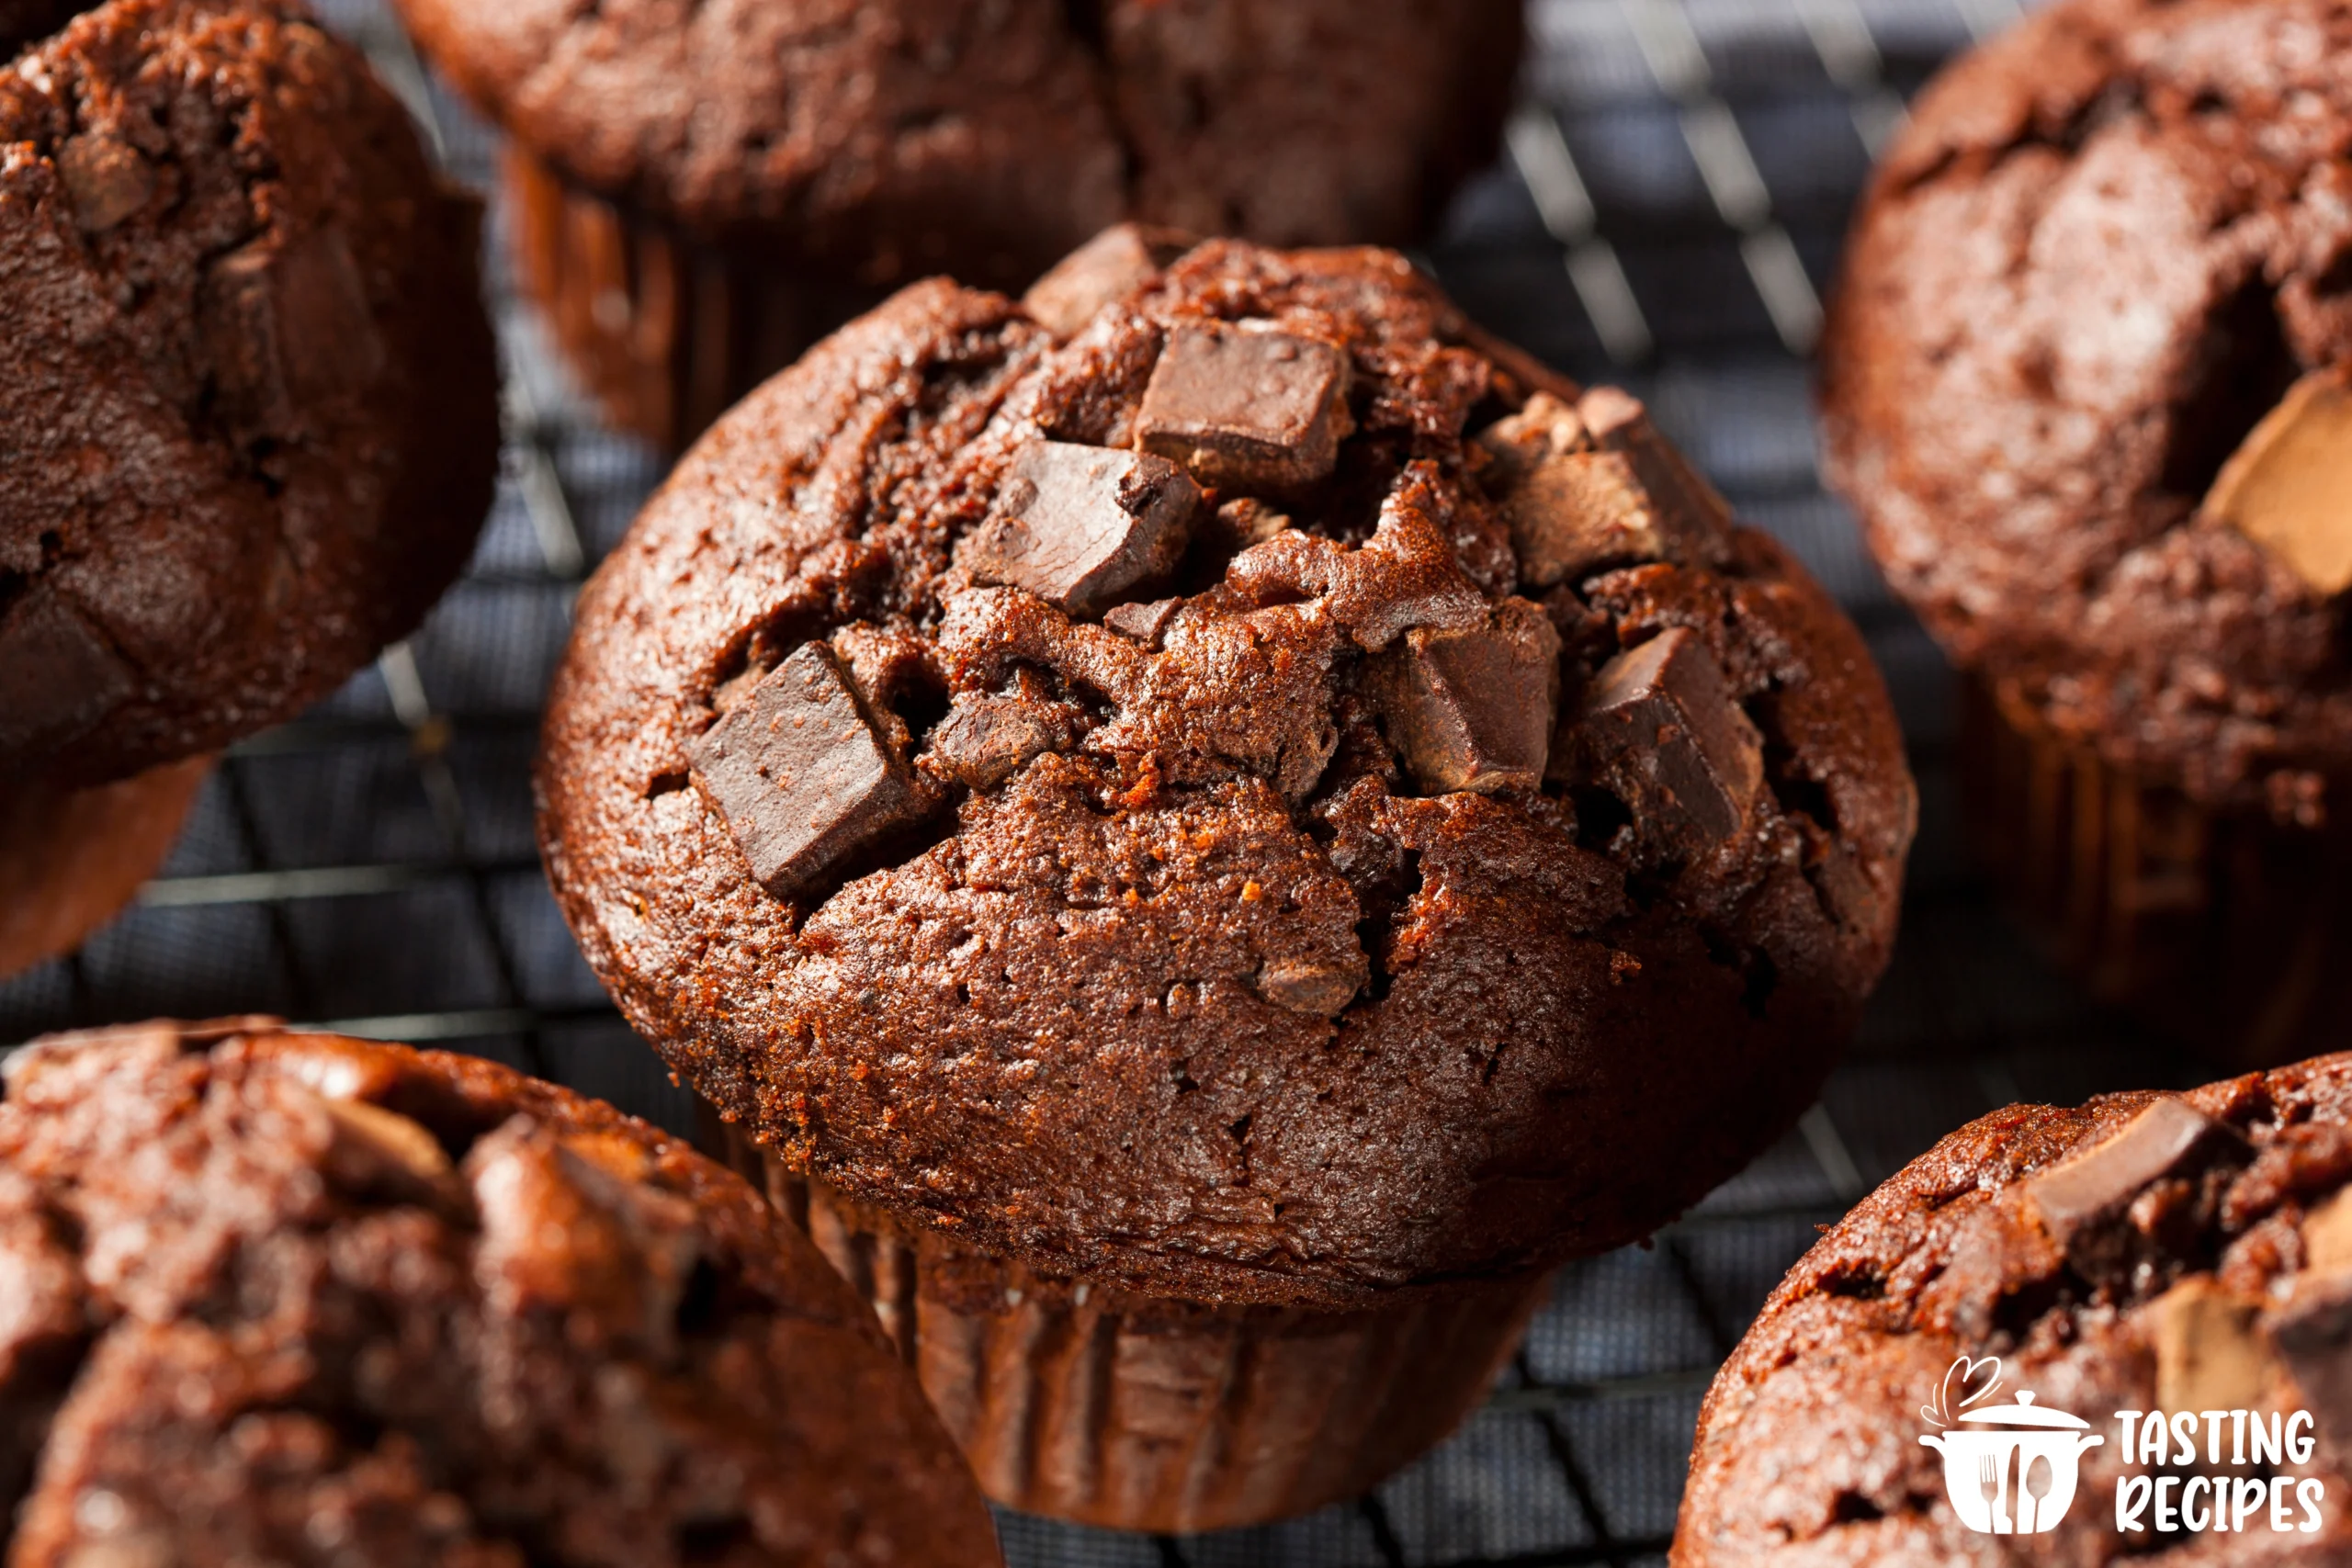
(699, 194)
(2172, 1257)
(298, 1299)
(250, 427)
(2086, 382)
(1270, 801)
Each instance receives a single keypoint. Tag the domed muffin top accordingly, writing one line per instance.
(292, 1298)
(2104, 250)
(2148, 1253)
(249, 421)
(893, 139)
(1269, 793)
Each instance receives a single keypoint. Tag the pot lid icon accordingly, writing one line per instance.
(2025, 1412)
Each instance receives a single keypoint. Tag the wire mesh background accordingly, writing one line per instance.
(1677, 179)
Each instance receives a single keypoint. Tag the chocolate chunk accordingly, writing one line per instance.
(2327, 1235)
(289, 324)
(1144, 623)
(2170, 1137)
(985, 740)
(1246, 410)
(804, 775)
(1079, 526)
(1310, 986)
(1473, 709)
(1596, 486)
(1661, 731)
(2210, 1355)
(2314, 1336)
(106, 178)
(1104, 270)
(2289, 486)
(1248, 522)
(375, 1150)
(58, 676)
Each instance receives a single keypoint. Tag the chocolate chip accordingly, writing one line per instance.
(1473, 709)
(1659, 729)
(106, 178)
(1596, 486)
(2285, 486)
(2314, 1336)
(1310, 986)
(287, 325)
(1079, 526)
(803, 774)
(1144, 623)
(985, 740)
(1104, 270)
(2170, 1137)
(1248, 522)
(1246, 410)
(2210, 1355)
(58, 676)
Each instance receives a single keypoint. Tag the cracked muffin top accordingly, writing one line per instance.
(250, 424)
(2145, 1253)
(2106, 248)
(276, 1297)
(889, 141)
(1256, 791)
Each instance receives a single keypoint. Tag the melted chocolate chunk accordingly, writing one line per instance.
(1144, 623)
(1104, 270)
(58, 676)
(106, 178)
(804, 775)
(1079, 526)
(985, 740)
(287, 325)
(1593, 486)
(1473, 709)
(1660, 731)
(1309, 986)
(2169, 1138)
(1246, 410)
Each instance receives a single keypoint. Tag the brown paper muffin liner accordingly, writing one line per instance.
(2226, 929)
(667, 331)
(1135, 1412)
(71, 859)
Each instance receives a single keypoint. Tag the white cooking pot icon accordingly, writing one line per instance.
(2014, 1471)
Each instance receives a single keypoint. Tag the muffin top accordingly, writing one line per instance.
(2145, 1252)
(292, 1298)
(888, 140)
(249, 421)
(1271, 797)
(2104, 250)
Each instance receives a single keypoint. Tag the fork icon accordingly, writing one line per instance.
(1989, 1486)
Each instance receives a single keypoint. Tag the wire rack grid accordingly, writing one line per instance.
(1678, 177)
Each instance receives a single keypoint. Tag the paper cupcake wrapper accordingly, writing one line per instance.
(1135, 1412)
(2226, 929)
(70, 860)
(666, 331)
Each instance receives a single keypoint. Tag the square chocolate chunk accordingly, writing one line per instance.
(801, 772)
(1104, 270)
(1473, 709)
(1079, 526)
(1661, 731)
(1246, 410)
(1595, 486)
(2170, 1137)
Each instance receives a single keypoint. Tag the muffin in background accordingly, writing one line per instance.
(293, 1298)
(2084, 381)
(2157, 1254)
(696, 200)
(1207, 830)
(250, 416)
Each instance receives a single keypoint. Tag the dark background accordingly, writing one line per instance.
(1679, 177)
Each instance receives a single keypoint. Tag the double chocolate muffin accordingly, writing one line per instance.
(276, 1297)
(700, 192)
(2185, 1257)
(1264, 799)
(2085, 381)
(250, 424)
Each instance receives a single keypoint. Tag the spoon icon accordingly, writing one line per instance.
(2038, 1479)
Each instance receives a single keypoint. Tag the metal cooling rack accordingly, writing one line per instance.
(1679, 176)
